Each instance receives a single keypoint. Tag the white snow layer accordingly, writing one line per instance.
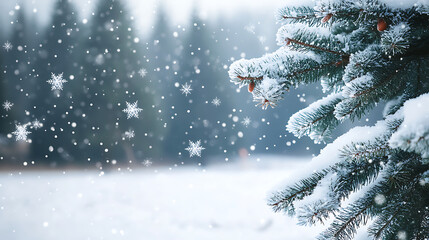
(331, 154)
(290, 30)
(223, 203)
(413, 134)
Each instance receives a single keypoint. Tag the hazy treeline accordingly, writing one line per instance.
(105, 62)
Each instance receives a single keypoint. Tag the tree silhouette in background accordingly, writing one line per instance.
(194, 116)
(58, 111)
(164, 54)
(101, 59)
(17, 68)
(114, 59)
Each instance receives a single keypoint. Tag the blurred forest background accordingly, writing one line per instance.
(107, 62)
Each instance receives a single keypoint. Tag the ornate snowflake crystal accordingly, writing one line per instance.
(37, 124)
(194, 148)
(246, 121)
(147, 162)
(216, 101)
(186, 89)
(132, 110)
(56, 81)
(7, 46)
(129, 134)
(21, 132)
(142, 72)
(7, 105)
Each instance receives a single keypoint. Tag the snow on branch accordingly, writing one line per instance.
(361, 62)
(302, 14)
(303, 38)
(317, 120)
(326, 162)
(277, 65)
(413, 133)
(268, 93)
(396, 39)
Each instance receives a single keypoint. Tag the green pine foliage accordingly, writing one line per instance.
(364, 53)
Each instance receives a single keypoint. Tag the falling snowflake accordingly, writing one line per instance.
(37, 124)
(194, 148)
(142, 72)
(57, 81)
(7, 46)
(21, 132)
(246, 121)
(262, 39)
(216, 101)
(129, 134)
(7, 105)
(147, 162)
(132, 110)
(186, 89)
(250, 28)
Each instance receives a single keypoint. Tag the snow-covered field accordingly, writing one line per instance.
(220, 203)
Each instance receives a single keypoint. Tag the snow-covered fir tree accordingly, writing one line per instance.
(364, 53)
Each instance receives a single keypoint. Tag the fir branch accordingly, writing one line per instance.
(321, 66)
(250, 78)
(317, 212)
(379, 232)
(297, 18)
(317, 120)
(297, 15)
(352, 176)
(365, 151)
(344, 55)
(379, 84)
(283, 200)
(297, 73)
(366, 95)
(403, 202)
(388, 182)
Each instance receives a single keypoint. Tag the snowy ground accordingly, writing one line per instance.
(224, 202)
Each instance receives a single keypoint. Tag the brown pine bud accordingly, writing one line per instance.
(251, 86)
(326, 18)
(287, 40)
(381, 25)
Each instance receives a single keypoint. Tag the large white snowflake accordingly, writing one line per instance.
(194, 148)
(37, 124)
(246, 121)
(56, 81)
(216, 101)
(7, 105)
(129, 134)
(21, 132)
(7, 46)
(186, 89)
(147, 162)
(142, 72)
(132, 110)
